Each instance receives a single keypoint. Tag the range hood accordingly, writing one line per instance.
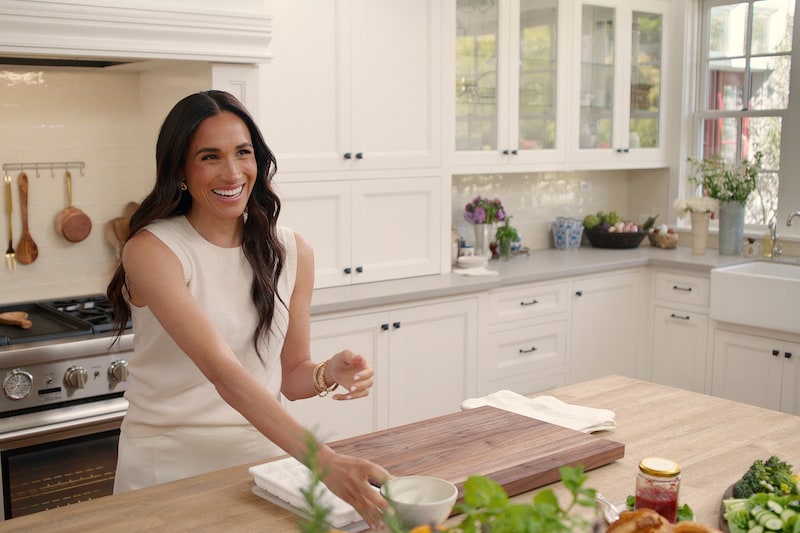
(99, 33)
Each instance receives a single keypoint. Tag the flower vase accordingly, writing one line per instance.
(483, 238)
(731, 227)
(700, 232)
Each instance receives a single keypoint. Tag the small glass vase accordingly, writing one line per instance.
(731, 227)
(700, 232)
(504, 248)
(483, 238)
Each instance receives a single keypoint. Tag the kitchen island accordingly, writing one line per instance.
(714, 440)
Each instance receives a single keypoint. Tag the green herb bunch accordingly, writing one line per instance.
(725, 180)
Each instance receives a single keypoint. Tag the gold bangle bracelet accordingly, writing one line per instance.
(320, 385)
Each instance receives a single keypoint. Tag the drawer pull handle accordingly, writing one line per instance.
(776, 353)
(531, 349)
(684, 289)
(787, 355)
(534, 301)
(682, 317)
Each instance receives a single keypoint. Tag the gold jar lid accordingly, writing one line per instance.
(659, 467)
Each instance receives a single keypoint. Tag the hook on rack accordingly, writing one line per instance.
(66, 165)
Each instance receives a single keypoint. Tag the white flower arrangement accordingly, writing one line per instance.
(700, 204)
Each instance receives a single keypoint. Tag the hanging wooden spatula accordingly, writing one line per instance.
(27, 251)
(16, 318)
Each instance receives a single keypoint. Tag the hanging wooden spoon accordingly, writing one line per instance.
(27, 251)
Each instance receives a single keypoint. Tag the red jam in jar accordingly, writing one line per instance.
(657, 486)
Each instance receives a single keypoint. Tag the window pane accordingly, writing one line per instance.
(476, 77)
(726, 84)
(769, 82)
(726, 30)
(721, 136)
(537, 74)
(772, 26)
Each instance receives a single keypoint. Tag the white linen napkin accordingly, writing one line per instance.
(547, 409)
(475, 271)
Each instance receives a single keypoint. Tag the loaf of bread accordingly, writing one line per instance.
(649, 521)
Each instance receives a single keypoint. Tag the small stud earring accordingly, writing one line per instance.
(183, 186)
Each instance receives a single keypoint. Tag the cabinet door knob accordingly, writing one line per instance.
(578, 293)
(529, 350)
(385, 327)
(534, 301)
(776, 353)
(359, 155)
(348, 270)
(348, 155)
(396, 325)
(787, 355)
(359, 269)
(514, 152)
(506, 152)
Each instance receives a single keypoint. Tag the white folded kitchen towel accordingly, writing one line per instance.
(475, 271)
(547, 409)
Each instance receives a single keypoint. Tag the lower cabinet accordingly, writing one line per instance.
(424, 356)
(607, 321)
(679, 334)
(526, 342)
(757, 370)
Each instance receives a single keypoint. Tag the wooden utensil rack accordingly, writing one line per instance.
(51, 166)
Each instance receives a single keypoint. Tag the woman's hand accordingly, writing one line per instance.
(351, 371)
(352, 480)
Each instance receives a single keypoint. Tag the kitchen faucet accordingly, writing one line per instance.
(777, 248)
(791, 216)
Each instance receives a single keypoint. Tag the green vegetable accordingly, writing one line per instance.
(763, 512)
(770, 476)
(590, 221)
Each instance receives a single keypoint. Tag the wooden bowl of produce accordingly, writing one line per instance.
(667, 240)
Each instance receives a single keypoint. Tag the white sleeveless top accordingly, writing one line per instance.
(177, 425)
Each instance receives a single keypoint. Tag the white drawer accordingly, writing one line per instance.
(528, 349)
(681, 288)
(527, 301)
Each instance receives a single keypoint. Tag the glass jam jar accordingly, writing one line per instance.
(657, 486)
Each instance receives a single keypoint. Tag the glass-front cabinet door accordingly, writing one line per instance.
(508, 76)
(620, 73)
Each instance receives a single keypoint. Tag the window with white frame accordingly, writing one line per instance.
(745, 49)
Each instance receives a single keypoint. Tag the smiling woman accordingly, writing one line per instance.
(223, 329)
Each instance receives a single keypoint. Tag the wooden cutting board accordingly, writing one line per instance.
(518, 452)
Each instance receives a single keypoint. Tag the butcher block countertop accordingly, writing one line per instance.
(714, 440)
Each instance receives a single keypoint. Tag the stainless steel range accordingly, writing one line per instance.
(62, 404)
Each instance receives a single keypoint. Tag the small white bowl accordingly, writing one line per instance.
(420, 500)
(472, 261)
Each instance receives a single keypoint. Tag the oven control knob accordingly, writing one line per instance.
(118, 370)
(17, 384)
(76, 377)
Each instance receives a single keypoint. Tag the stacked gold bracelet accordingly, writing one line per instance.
(320, 385)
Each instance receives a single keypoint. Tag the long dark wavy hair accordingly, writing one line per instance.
(260, 242)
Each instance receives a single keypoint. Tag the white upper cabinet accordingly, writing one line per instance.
(509, 74)
(620, 66)
(354, 85)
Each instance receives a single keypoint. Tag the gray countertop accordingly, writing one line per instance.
(539, 265)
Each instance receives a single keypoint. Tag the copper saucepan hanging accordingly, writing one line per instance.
(72, 223)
